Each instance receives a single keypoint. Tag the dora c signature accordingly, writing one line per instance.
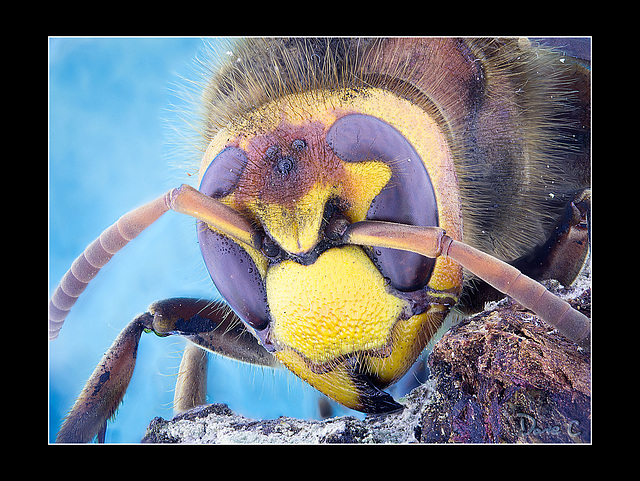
(528, 425)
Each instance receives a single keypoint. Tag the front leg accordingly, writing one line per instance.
(237, 343)
(211, 325)
(105, 388)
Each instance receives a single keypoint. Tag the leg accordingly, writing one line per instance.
(105, 388)
(191, 385)
(563, 255)
(212, 326)
(208, 324)
(185, 200)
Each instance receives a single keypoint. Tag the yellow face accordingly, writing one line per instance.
(348, 320)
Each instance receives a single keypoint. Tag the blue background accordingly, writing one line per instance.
(110, 103)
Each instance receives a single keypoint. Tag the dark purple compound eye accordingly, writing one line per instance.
(232, 270)
(408, 197)
(223, 172)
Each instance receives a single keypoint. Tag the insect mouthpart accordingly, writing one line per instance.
(333, 227)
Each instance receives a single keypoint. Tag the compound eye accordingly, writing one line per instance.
(408, 197)
(223, 173)
(231, 268)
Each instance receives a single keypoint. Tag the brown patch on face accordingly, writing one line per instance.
(285, 163)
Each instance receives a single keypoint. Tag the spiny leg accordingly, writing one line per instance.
(205, 323)
(105, 388)
(230, 338)
(213, 326)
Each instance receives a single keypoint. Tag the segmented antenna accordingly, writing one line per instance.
(185, 200)
(433, 242)
(97, 254)
(427, 241)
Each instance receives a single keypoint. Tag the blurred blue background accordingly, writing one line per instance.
(110, 102)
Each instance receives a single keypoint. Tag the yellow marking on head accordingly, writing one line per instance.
(296, 227)
(339, 305)
(409, 339)
(363, 181)
(337, 383)
(335, 306)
